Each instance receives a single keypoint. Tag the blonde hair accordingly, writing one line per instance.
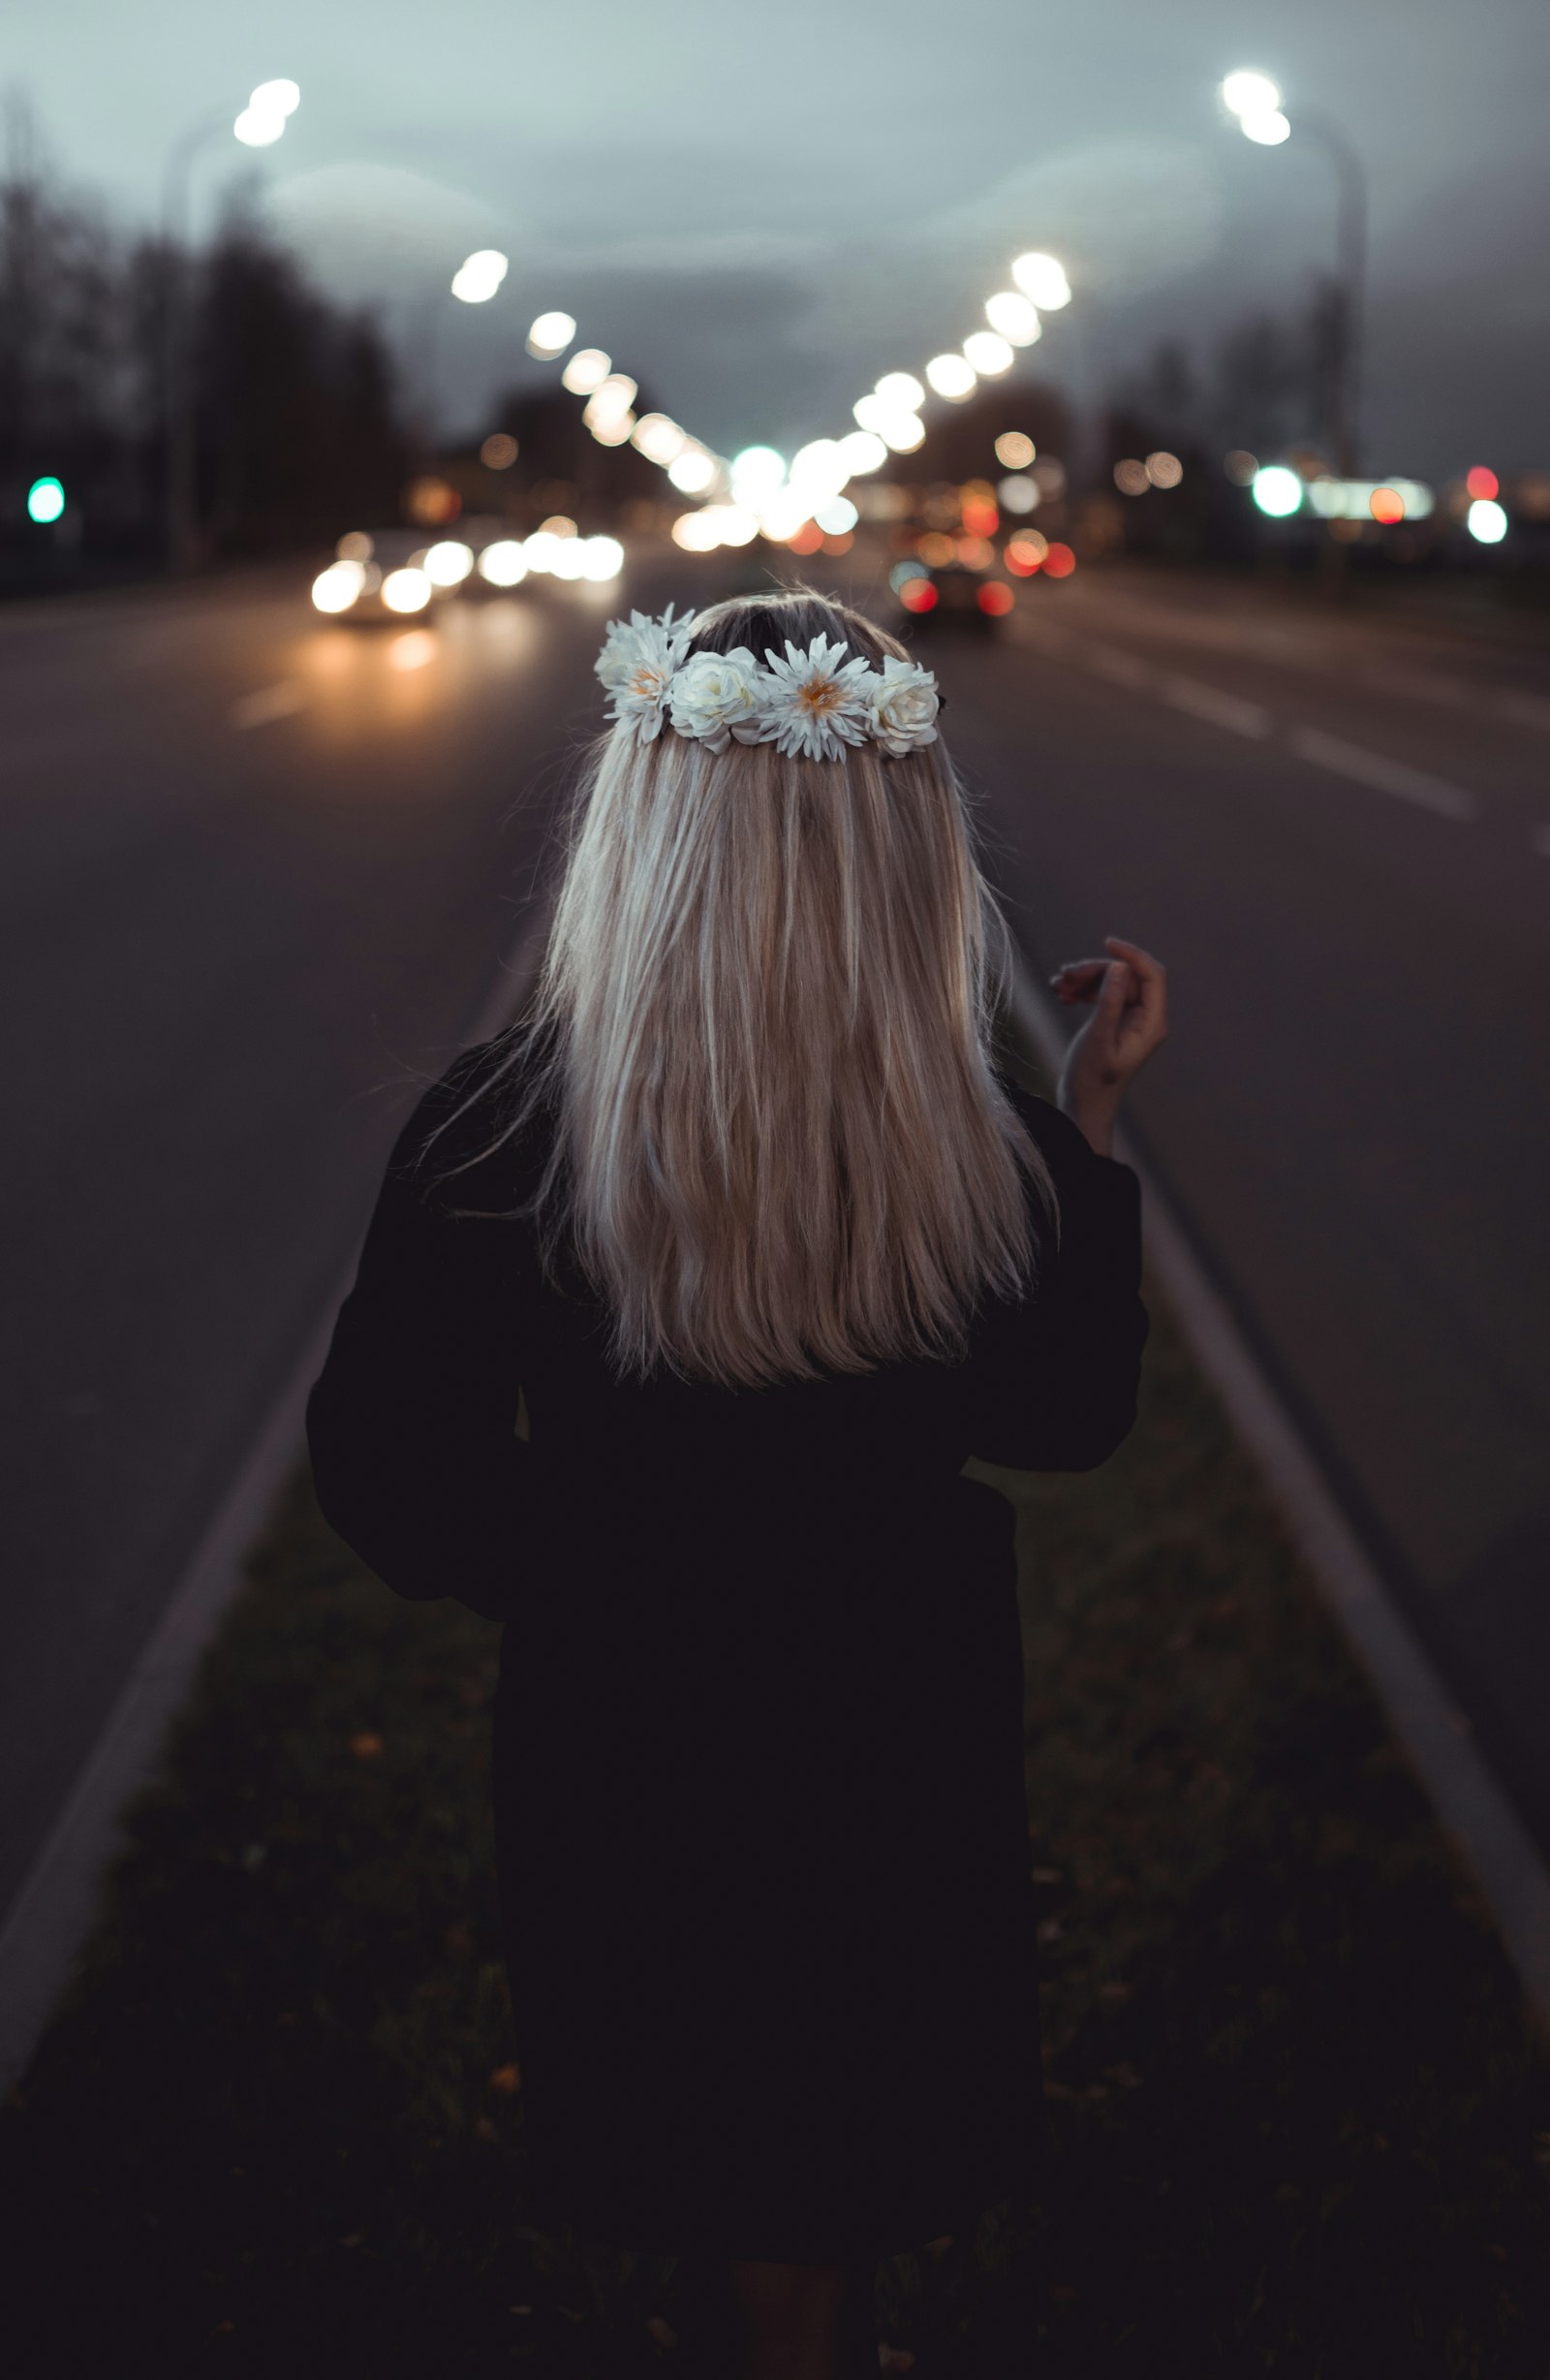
(764, 1018)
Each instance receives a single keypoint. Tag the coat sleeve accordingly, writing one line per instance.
(1055, 1380)
(410, 1423)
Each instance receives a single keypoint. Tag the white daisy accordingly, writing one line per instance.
(715, 697)
(636, 665)
(810, 707)
(903, 706)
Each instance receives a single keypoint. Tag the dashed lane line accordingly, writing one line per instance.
(1240, 717)
(1376, 768)
(1209, 703)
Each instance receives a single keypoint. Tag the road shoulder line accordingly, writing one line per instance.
(1469, 1804)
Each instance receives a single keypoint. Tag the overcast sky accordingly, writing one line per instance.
(756, 209)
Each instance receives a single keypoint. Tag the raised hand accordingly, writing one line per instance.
(1128, 992)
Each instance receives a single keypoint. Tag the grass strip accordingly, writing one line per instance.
(1302, 2118)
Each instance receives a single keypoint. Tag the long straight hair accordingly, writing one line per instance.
(762, 1025)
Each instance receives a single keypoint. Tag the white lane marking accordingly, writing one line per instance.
(1120, 668)
(1540, 840)
(1437, 686)
(268, 704)
(1374, 768)
(1209, 703)
(1522, 709)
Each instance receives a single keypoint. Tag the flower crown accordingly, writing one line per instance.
(808, 706)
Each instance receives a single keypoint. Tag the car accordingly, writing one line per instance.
(390, 575)
(950, 595)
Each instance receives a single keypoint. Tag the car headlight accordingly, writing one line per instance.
(337, 587)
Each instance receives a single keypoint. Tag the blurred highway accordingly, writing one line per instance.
(259, 867)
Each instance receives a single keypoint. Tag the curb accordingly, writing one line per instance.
(1470, 1804)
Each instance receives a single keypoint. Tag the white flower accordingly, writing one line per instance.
(810, 707)
(903, 706)
(715, 697)
(636, 665)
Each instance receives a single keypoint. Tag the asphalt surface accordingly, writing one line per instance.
(258, 872)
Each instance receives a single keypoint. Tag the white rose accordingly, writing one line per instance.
(903, 703)
(715, 697)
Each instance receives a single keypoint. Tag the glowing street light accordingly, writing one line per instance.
(1254, 100)
(268, 110)
(262, 123)
(1043, 281)
(479, 276)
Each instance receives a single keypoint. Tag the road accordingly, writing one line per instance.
(259, 873)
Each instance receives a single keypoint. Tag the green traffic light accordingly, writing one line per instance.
(45, 500)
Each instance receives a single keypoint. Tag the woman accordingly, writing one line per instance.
(741, 1214)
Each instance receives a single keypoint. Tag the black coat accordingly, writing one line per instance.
(759, 1733)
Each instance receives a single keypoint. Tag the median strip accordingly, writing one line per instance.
(1293, 2092)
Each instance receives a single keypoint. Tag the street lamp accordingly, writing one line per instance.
(1255, 101)
(262, 123)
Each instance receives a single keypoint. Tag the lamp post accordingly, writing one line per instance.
(1255, 101)
(259, 125)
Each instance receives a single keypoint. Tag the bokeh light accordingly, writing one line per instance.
(499, 450)
(356, 546)
(951, 377)
(337, 587)
(995, 598)
(756, 472)
(1163, 469)
(1059, 562)
(936, 550)
(988, 352)
(1131, 477)
(1486, 520)
(588, 369)
(1250, 93)
(1482, 483)
(1019, 493)
(659, 438)
(1025, 552)
(282, 96)
(1386, 505)
(1012, 318)
(1041, 278)
(504, 563)
(432, 501)
(448, 562)
(479, 276)
(406, 590)
(416, 652)
(1277, 490)
(550, 336)
(863, 450)
(692, 470)
(905, 432)
(1016, 450)
(46, 501)
(259, 127)
(1269, 129)
(900, 391)
(918, 595)
(1241, 467)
